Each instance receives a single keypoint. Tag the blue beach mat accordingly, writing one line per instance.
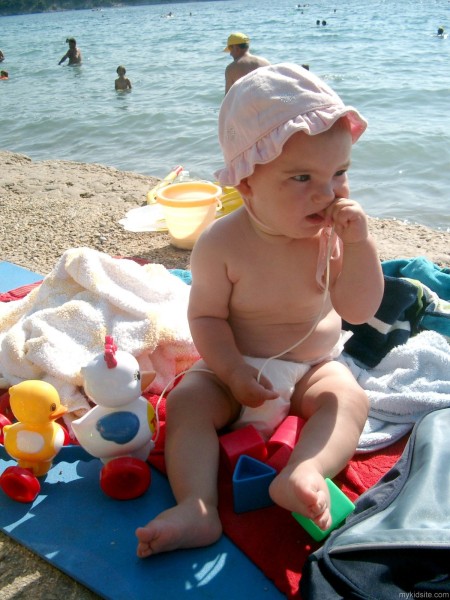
(13, 276)
(90, 536)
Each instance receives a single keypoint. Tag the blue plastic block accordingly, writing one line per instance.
(251, 480)
(341, 507)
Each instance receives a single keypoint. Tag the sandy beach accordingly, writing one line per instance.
(50, 206)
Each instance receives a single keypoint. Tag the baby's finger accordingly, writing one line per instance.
(265, 382)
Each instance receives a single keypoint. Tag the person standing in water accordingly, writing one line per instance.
(73, 53)
(238, 45)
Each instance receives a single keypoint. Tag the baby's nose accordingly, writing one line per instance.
(325, 194)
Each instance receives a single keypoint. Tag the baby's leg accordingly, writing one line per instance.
(196, 408)
(335, 409)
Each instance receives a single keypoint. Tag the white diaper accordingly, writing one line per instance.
(284, 376)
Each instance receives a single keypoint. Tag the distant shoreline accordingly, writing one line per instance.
(35, 6)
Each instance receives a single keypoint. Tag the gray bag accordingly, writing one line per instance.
(398, 539)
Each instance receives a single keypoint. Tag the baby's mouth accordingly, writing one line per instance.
(316, 218)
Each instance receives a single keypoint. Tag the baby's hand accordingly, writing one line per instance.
(247, 390)
(349, 219)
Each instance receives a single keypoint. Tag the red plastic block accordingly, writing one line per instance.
(287, 434)
(279, 459)
(242, 441)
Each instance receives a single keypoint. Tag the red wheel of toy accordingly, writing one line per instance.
(20, 484)
(125, 478)
(3, 421)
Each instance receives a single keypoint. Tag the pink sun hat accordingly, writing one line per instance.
(263, 109)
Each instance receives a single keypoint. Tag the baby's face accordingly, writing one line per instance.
(291, 194)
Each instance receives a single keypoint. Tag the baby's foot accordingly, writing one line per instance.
(187, 525)
(303, 490)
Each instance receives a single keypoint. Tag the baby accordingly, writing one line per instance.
(122, 83)
(271, 283)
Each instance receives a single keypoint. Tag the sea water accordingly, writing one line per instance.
(381, 56)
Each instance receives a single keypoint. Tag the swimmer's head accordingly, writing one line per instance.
(121, 70)
(72, 41)
(263, 109)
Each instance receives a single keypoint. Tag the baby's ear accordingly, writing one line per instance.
(244, 189)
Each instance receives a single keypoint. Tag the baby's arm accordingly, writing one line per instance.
(357, 292)
(208, 319)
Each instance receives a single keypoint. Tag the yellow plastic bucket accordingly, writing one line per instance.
(188, 207)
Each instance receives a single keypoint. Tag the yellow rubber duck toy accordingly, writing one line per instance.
(35, 439)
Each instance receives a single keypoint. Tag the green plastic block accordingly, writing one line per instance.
(341, 507)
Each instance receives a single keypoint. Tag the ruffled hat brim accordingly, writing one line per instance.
(266, 107)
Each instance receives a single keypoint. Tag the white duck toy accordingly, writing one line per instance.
(119, 429)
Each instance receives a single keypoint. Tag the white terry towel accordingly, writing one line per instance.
(411, 380)
(58, 328)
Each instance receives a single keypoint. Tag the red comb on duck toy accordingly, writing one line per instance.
(120, 428)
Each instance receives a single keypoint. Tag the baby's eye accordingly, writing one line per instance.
(301, 178)
(341, 172)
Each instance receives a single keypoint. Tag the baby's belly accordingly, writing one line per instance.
(302, 341)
